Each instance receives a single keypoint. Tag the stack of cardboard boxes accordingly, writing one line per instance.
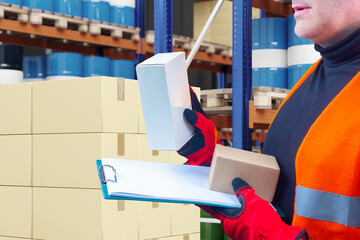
(52, 134)
(221, 30)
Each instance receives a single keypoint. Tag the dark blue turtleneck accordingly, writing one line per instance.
(340, 63)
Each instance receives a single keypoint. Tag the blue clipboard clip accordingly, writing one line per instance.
(102, 174)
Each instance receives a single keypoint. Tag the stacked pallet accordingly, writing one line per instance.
(52, 133)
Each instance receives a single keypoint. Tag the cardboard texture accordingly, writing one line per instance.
(260, 171)
(68, 160)
(142, 129)
(185, 219)
(154, 220)
(86, 105)
(120, 220)
(15, 160)
(15, 108)
(164, 92)
(60, 214)
(16, 211)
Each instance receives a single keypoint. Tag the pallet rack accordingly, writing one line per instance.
(27, 34)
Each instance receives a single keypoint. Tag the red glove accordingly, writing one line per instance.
(199, 149)
(256, 219)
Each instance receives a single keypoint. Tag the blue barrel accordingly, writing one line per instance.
(122, 15)
(15, 2)
(123, 68)
(11, 57)
(64, 64)
(295, 72)
(96, 10)
(256, 34)
(269, 45)
(269, 77)
(68, 7)
(34, 67)
(293, 39)
(44, 5)
(273, 33)
(96, 66)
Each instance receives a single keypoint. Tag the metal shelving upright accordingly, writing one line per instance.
(241, 68)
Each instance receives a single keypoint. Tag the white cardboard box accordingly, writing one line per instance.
(164, 92)
(16, 211)
(86, 105)
(15, 108)
(69, 160)
(15, 160)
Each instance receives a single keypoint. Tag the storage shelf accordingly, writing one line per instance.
(27, 34)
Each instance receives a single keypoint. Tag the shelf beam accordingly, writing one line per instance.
(70, 35)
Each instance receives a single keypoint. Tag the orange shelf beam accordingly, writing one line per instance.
(53, 32)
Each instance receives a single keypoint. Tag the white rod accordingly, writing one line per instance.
(203, 33)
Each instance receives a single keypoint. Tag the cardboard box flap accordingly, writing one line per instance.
(161, 59)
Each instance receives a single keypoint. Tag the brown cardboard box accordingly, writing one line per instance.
(15, 160)
(185, 219)
(86, 105)
(259, 170)
(15, 108)
(120, 220)
(60, 213)
(15, 211)
(154, 220)
(69, 160)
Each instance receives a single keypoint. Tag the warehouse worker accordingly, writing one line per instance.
(315, 137)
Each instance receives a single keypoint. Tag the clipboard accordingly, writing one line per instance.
(106, 182)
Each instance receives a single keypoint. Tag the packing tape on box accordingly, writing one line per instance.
(269, 58)
(121, 144)
(121, 89)
(155, 205)
(121, 205)
(302, 54)
(186, 237)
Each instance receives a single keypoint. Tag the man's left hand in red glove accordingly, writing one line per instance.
(199, 149)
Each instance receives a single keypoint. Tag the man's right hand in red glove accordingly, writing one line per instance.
(256, 219)
(199, 149)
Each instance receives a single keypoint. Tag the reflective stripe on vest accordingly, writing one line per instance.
(327, 206)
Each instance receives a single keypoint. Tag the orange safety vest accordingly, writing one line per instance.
(327, 166)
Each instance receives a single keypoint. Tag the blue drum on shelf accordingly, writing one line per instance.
(96, 10)
(44, 5)
(15, 2)
(269, 52)
(123, 15)
(301, 54)
(295, 72)
(68, 7)
(270, 77)
(123, 68)
(96, 66)
(34, 68)
(63, 65)
(269, 33)
(11, 64)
